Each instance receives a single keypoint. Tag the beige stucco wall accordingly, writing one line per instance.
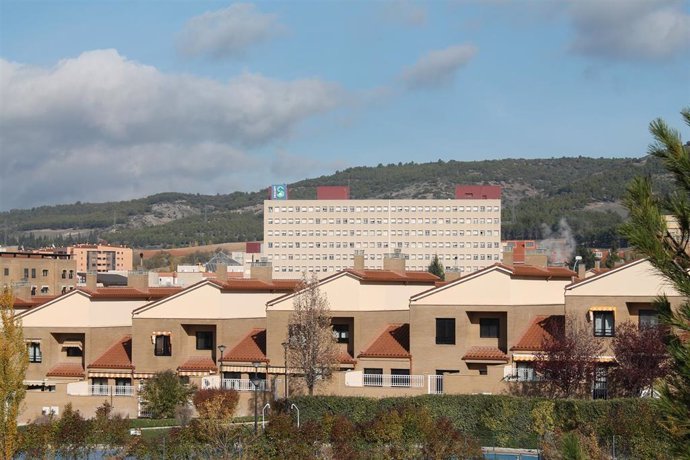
(53, 280)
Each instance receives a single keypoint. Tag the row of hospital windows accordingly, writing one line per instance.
(384, 244)
(384, 209)
(317, 233)
(383, 221)
(278, 257)
(32, 272)
(337, 268)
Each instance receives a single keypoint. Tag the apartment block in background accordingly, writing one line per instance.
(322, 235)
(31, 274)
(101, 258)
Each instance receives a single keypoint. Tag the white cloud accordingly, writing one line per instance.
(101, 126)
(289, 167)
(438, 68)
(630, 30)
(227, 32)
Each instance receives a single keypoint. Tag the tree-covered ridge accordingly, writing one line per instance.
(536, 193)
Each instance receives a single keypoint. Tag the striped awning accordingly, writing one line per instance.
(524, 357)
(110, 375)
(605, 359)
(72, 344)
(195, 373)
(602, 308)
(155, 334)
(32, 340)
(229, 368)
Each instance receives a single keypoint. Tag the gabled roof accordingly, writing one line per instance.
(390, 276)
(66, 370)
(118, 356)
(520, 271)
(33, 301)
(197, 363)
(252, 347)
(394, 342)
(373, 276)
(541, 328)
(345, 358)
(485, 354)
(153, 293)
(601, 273)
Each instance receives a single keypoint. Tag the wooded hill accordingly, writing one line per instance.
(536, 195)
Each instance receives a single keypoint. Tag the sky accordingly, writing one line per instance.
(113, 100)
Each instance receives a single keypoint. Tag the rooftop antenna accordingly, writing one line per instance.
(577, 260)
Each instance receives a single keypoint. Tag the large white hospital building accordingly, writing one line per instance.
(322, 235)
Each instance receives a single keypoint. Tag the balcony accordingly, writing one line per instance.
(389, 380)
(108, 390)
(243, 385)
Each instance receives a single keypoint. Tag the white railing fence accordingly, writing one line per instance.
(390, 380)
(435, 384)
(243, 385)
(107, 390)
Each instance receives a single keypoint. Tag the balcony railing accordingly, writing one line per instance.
(524, 375)
(390, 380)
(243, 385)
(435, 384)
(107, 390)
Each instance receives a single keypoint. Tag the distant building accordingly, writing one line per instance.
(524, 252)
(101, 258)
(322, 235)
(31, 274)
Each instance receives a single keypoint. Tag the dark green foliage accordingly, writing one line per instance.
(164, 392)
(436, 268)
(536, 192)
(648, 231)
(506, 421)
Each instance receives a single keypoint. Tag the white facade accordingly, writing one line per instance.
(323, 235)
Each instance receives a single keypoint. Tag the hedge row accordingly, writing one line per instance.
(508, 421)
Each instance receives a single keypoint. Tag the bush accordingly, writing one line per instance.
(216, 403)
(163, 392)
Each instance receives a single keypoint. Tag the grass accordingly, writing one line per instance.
(150, 422)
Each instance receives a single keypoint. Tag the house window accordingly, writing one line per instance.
(600, 384)
(33, 273)
(64, 274)
(204, 340)
(445, 331)
(26, 273)
(45, 272)
(400, 377)
(373, 377)
(7, 271)
(648, 318)
(341, 332)
(35, 355)
(73, 352)
(603, 324)
(524, 371)
(162, 346)
(489, 328)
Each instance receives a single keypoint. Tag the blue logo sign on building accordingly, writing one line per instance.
(279, 192)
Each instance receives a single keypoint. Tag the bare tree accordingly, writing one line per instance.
(642, 358)
(312, 348)
(568, 359)
(14, 359)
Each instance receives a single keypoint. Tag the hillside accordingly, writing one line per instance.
(537, 193)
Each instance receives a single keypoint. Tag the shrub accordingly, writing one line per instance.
(216, 403)
(163, 392)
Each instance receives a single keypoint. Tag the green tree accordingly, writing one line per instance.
(164, 392)
(667, 249)
(312, 348)
(14, 359)
(436, 268)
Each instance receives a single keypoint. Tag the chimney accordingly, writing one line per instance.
(519, 253)
(597, 263)
(222, 272)
(581, 271)
(262, 270)
(358, 263)
(394, 261)
(22, 290)
(138, 279)
(92, 280)
(453, 274)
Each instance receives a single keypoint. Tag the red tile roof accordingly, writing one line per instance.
(198, 363)
(243, 285)
(530, 271)
(33, 301)
(131, 293)
(394, 342)
(118, 356)
(393, 276)
(541, 328)
(252, 347)
(66, 370)
(345, 358)
(485, 354)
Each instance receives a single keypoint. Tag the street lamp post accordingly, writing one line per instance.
(255, 382)
(220, 363)
(285, 348)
